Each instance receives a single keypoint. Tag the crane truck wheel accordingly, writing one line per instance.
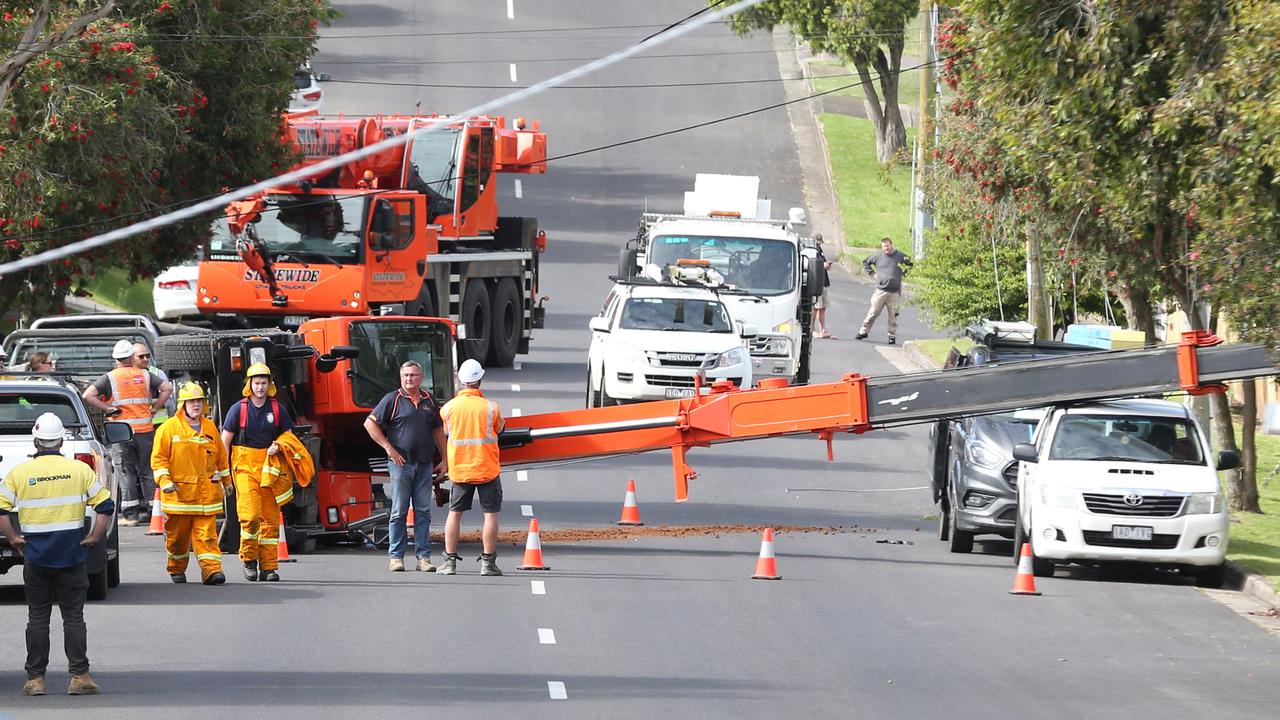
(426, 304)
(477, 315)
(505, 323)
(191, 353)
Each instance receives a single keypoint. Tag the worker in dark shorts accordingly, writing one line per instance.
(472, 423)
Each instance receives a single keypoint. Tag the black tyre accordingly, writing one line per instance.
(944, 521)
(591, 395)
(1041, 568)
(113, 572)
(961, 540)
(603, 399)
(476, 315)
(98, 583)
(189, 353)
(1211, 577)
(1019, 537)
(506, 321)
(425, 306)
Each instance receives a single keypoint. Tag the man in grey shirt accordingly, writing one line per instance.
(888, 267)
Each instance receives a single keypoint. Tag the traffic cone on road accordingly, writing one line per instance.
(630, 511)
(766, 565)
(1024, 583)
(157, 516)
(533, 549)
(282, 547)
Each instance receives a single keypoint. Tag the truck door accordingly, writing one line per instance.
(477, 196)
(397, 248)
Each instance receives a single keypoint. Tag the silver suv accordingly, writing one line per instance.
(25, 397)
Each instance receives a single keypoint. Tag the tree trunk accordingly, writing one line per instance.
(1226, 433)
(1244, 484)
(32, 45)
(1037, 294)
(882, 109)
(1138, 311)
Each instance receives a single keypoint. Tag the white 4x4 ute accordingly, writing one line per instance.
(23, 398)
(1129, 481)
(650, 341)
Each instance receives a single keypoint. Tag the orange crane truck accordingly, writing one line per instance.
(413, 230)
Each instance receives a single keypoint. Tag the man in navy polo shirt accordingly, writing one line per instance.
(406, 423)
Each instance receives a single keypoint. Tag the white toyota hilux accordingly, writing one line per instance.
(1128, 481)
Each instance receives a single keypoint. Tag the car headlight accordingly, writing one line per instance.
(735, 356)
(1055, 496)
(1204, 503)
(772, 345)
(984, 456)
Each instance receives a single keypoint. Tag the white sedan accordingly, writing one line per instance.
(174, 292)
(651, 340)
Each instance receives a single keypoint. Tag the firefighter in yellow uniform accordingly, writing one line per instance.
(190, 466)
(252, 430)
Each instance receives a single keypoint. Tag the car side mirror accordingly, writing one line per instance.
(749, 331)
(1228, 460)
(1026, 452)
(599, 324)
(322, 77)
(344, 352)
(117, 432)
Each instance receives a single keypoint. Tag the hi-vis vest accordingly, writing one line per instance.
(193, 463)
(472, 423)
(50, 493)
(131, 392)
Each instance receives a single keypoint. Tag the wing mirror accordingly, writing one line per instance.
(322, 77)
(599, 324)
(329, 361)
(748, 331)
(117, 432)
(1026, 452)
(1228, 460)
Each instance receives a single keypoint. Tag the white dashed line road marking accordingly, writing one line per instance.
(515, 412)
(522, 476)
(526, 510)
(515, 387)
(519, 194)
(546, 636)
(539, 587)
(511, 9)
(557, 690)
(513, 72)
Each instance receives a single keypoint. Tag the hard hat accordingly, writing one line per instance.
(123, 350)
(190, 391)
(470, 371)
(258, 370)
(48, 427)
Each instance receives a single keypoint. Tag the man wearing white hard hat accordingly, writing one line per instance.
(50, 492)
(472, 423)
(137, 394)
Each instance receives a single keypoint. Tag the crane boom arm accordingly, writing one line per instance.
(1197, 365)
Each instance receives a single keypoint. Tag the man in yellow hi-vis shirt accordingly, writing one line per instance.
(190, 466)
(49, 493)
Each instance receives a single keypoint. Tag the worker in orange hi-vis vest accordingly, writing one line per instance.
(472, 423)
(190, 466)
(250, 432)
(133, 395)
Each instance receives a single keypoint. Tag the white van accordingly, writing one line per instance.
(1129, 481)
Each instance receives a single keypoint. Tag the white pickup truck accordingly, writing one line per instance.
(1129, 481)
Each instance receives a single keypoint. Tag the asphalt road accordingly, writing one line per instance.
(650, 627)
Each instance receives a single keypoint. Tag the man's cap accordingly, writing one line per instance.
(123, 350)
(470, 371)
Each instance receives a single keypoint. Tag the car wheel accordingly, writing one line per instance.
(961, 540)
(476, 315)
(113, 572)
(604, 399)
(98, 583)
(505, 323)
(944, 520)
(1041, 567)
(1211, 577)
(1019, 537)
(591, 394)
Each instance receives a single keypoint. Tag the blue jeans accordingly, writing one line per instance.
(410, 483)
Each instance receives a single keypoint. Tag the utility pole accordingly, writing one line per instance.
(922, 219)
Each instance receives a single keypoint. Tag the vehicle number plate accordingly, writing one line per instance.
(1130, 532)
(679, 392)
(293, 320)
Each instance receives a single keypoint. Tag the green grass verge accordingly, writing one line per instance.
(936, 349)
(1255, 539)
(874, 202)
(114, 288)
(828, 76)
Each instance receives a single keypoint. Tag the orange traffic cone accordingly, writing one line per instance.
(533, 549)
(282, 547)
(157, 516)
(1024, 583)
(630, 511)
(766, 565)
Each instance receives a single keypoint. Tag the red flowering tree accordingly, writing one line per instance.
(153, 105)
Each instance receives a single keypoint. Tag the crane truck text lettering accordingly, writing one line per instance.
(286, 275)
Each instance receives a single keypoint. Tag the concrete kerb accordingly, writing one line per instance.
(1238, 578)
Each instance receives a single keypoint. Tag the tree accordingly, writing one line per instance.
(865, 33)
(150, 107)
(34, 40)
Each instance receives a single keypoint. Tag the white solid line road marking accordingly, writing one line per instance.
(518, 364)
(513, 72)
(511, 9)
(546, 636)
(522, 476)
(526, 510)
(515, 412)
(539, 587)
(515, 387)
(519, 194)
(557, 691)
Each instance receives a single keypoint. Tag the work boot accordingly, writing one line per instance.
(396, 565)
(82, 685)
(450, 565)
(213, 579)
(126, 521)
(251, 571)
(424, 565)
(269, 576)
(34, 686)
(860, 336)
(489, 564)
(177, 579)
(893, 341)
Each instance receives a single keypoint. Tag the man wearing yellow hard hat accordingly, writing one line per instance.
(190, 466)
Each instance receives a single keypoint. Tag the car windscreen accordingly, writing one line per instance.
(72, 354)
(385, 345)
(304, 228)
(675, 314)
(19, 410)
(757, 265)
(1135, 438)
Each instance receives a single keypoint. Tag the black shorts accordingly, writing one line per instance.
(490, 496)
